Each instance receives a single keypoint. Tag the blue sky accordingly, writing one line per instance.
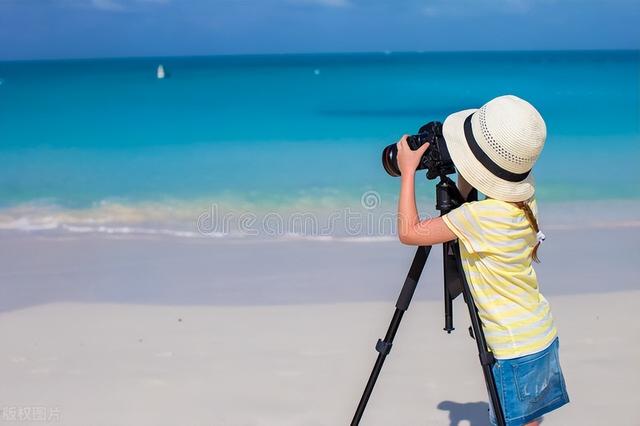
(38, 29)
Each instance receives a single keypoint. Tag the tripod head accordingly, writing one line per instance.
(448, 196)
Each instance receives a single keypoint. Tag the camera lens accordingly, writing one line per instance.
(390, 160)
(390, 155)
(436, 159)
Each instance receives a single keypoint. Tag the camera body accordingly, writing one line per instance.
(436, 159)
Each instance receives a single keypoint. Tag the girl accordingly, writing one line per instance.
(494, 149)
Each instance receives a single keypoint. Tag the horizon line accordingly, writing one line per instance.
(321, 53)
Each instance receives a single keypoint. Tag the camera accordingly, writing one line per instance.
(436, 159)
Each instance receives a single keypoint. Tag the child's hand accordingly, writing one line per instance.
(408, 160)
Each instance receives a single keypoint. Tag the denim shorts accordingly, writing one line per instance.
(529, 386)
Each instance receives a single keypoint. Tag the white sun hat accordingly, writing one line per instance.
(495, 147)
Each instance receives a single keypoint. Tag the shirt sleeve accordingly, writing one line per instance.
(464, 222)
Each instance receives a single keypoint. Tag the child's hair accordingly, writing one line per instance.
(534, 224)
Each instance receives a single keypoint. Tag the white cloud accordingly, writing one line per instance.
(520, 6)
(476, 7)
(110, 5)
(328, 3)
(430, 11)
(121, 5)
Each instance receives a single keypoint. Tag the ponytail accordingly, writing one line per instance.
(534, 224)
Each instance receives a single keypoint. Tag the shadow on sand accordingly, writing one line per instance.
(476, 413)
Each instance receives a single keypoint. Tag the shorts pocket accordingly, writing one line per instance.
(532, 377)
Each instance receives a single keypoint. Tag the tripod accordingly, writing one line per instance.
(447, 198)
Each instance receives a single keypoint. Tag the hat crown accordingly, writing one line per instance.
(511, 132)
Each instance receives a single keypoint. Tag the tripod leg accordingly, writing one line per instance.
(452, 285)
(486, 357)
(384, 346)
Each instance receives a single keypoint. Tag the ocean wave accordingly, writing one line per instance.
(595, 225)
(26, 225)
(133, 230)
(347, 239)
(197, 219)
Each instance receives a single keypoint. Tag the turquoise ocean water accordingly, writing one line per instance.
(104, 144)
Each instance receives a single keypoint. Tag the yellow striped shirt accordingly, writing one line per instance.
(496, 243)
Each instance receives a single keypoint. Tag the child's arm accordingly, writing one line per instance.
(411, 230)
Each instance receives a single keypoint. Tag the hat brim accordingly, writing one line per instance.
(473, 171)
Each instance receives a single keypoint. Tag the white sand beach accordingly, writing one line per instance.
(133, 331)
(111, 364)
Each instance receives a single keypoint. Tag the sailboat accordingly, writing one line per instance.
(160, 72)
